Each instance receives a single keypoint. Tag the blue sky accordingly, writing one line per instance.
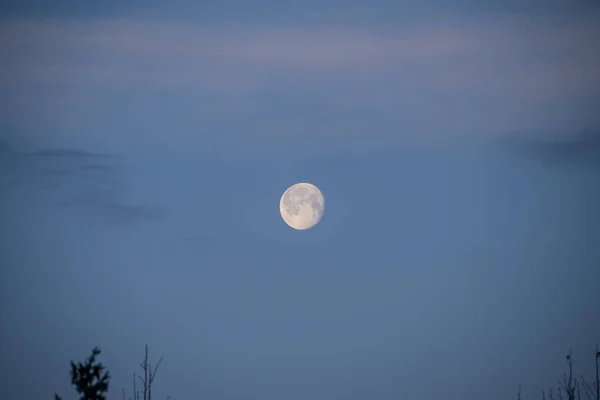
(145, 147)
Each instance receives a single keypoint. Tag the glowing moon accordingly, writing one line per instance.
(302, 206)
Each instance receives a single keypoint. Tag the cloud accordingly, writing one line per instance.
(73, 178)
(468, 73)
(580, 147)
(73, 154)
(132, 213)
(102, 47)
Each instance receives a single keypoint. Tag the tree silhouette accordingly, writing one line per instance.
(89, 378)
(147, 379)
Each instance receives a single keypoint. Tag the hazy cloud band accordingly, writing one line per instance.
(530, 71)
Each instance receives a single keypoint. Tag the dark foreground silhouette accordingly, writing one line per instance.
(90, 379)
(573, 387)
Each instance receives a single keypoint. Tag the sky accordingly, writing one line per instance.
(144, 147)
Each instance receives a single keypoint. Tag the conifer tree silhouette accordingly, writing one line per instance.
(90, 378)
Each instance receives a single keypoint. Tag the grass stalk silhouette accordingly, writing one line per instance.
(571, 386)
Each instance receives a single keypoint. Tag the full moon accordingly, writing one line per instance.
(302, 206)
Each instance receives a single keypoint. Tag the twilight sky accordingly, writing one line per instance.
(144, 147)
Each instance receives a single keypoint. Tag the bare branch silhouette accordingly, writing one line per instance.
(146, 379)
(572, 386)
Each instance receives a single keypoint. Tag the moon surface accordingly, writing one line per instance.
(302, 206)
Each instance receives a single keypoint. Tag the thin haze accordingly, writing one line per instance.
(144, 148)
